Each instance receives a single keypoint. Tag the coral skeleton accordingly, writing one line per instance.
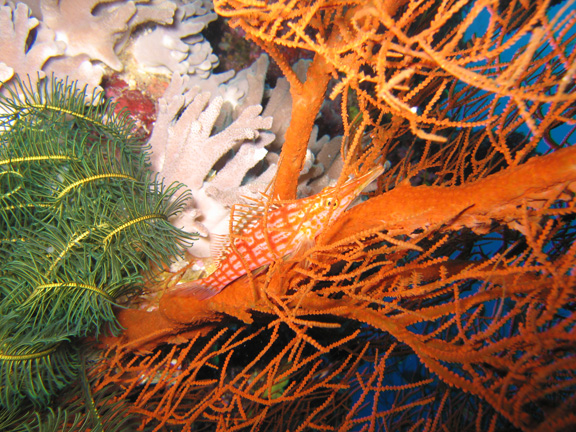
(78, 40)
(15, 56)
(178, 48)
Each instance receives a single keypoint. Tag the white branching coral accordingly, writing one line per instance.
(15, 55)
(78, 68)
(186, 147)
(178, 48)
(6, 72)
(85, 31)
(191, 149)
(78, 39)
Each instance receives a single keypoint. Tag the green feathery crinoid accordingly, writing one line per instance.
(81, 219)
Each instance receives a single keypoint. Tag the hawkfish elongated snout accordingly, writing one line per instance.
(352, 188)
(322, 209)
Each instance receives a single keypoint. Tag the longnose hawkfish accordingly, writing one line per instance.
(262, 234)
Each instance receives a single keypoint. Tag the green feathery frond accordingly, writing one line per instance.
(35, 365)
(53, 101)
(81, 221)
(79, 411)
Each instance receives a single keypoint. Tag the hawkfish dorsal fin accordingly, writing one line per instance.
(244, 216)
(219, 246)
(260, 201)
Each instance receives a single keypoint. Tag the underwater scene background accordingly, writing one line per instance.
(320, 215)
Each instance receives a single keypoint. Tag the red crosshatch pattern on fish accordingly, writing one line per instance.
(263, 233)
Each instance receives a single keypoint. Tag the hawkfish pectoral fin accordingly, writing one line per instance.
(303, 246)
(195, 289)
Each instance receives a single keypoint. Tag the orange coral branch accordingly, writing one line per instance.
(495, 198)
(306, 102)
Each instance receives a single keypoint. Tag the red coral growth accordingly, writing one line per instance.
(139, 102)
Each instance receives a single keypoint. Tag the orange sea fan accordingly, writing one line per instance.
(443, 301)
(499, 327)
(403, 57)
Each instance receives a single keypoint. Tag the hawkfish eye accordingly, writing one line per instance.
(332, 202)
